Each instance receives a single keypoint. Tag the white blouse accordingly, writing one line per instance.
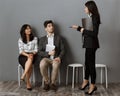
(31, 46)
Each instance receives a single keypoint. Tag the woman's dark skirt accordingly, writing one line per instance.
(22, 60)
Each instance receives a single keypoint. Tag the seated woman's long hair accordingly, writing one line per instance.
(23, 35)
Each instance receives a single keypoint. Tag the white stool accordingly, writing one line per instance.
(74, 66)
(105, 67)
(49, 76)
(20, 70)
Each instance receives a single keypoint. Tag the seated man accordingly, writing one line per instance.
(51, 50)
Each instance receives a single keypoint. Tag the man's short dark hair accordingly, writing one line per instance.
(47, 22)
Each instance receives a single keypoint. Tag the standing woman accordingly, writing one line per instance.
(90, 43)
(27, 49)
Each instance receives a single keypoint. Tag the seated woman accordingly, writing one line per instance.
(28, 48)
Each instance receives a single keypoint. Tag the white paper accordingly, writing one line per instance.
(49, 48)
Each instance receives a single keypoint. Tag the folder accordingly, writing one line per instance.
(87, 23)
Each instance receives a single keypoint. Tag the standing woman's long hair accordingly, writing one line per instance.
(23, 35)
(92, 7)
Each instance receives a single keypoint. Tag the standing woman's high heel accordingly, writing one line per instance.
(90, 93)
(84, 86)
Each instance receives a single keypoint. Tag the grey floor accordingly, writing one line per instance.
(10, 88)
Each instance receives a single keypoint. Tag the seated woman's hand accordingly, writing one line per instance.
(30, 56)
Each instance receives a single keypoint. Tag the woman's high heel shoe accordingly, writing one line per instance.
(30, 89)
(22, 80)
(95, 88)
(84, 86)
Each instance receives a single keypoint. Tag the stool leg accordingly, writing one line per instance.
(18, 75)
(49, 75)
(101, 75)
(59, 76)
(73, 78)
(106, 77)
(76, 75)
(48, 71)
(83, 73)
(42, 82)
(67, 75)
(33, 76)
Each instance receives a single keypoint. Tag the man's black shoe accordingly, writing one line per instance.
(53, 87)
(46, 87)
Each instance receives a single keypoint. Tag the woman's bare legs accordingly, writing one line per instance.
(28, 75)
(28, 71)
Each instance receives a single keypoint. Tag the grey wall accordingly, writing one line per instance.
(14, 13)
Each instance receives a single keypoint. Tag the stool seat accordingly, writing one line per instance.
(75, 65)
(100, 65)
